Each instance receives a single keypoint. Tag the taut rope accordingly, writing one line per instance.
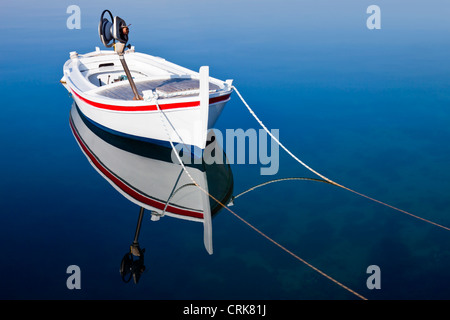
(325, 178)
(236, 215)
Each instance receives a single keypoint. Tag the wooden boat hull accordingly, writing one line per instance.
(191, 105)
(148, 124)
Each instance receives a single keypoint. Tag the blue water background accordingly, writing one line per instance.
(367, 108)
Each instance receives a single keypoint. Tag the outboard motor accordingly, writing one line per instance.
(117, 30)
(113, 30)
(129, 266)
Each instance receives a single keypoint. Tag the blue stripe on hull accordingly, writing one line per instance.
(195, 151)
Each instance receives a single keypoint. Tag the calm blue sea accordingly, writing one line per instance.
(369, 109)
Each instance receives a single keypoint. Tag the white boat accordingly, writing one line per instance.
(125, 98)
(145, 174)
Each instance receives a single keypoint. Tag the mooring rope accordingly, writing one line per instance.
(235, 214)
(279, 180)
(325, 178)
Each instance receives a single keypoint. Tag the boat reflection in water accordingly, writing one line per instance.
(145, 174)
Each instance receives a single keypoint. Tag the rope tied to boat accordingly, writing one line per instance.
(278, 180)
(164, 119)
(327, 179)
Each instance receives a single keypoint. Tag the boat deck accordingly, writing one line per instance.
(166, 88)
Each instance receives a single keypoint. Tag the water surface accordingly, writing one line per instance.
(367, 108)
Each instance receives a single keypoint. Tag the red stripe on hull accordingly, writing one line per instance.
(166, 106)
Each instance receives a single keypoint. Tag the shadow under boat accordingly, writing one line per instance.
(150, 176)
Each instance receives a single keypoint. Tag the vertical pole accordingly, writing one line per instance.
(204, 103)
(207, 219)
